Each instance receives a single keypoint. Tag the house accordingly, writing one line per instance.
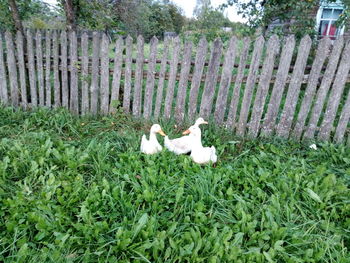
(326, 14)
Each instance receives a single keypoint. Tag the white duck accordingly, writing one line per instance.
(200, 154)
(152, 145)
(182, 145)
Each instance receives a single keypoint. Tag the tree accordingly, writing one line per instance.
(69, 7)
(15, 16)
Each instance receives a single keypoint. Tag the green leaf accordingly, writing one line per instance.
(313, 195)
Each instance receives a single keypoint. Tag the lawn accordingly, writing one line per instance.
(78, 190)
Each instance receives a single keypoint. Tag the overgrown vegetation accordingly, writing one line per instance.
(78, 190)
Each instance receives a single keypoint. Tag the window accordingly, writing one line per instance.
(327, 22)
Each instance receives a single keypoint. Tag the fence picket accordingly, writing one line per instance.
(335, 95)
(31, 70)
(84, 74)
(127, 85)
(104, 74)
(74, 93)
(117, 73)
(263, 87)
(56, 78)
(248, 92)
(324, 88)
(3, 79)
(172, 78)
(225, 81)
(285, 123)
(163, 67)
(64, 68)
(48, 68)
(95, 63)
(182, 87)
(39, 67)
(278, 88)
(136, 106)
(197, 77)
(210, 81)
(321, 56)
(148, 99)
(12, 70)
(21, 69)
(343, 121)
(231, 118)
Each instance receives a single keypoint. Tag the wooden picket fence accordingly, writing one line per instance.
(254, 87)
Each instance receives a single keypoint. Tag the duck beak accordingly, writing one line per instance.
(204, 122)
(186, 132)
(162, 133)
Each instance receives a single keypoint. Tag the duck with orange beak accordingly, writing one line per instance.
(183, 144)
(200, 154)
(152, 145)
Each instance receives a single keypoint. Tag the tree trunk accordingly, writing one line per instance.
(70, 14)
(15, 16)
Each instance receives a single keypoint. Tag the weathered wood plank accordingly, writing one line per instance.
(3, 79)
(197, 76)
(161, 79)
(172, 78)
(39, 67)
(321, 56)
(148, 99)
(231, 118)
(64, 69)
(225, 81)
(278, 88)
(94, 89)
(74, 93)
(127, 82)
(343, 121)
(56, 78)
(136, 107)
(85, 104)
(31, 70)
(104, 74)
(273, 48)
(12, 69)
(21, 69)
(47, 68)
(288, 113)
(249, 88)
(211, 78)
(335, 95)
(324, 88)
(182, 88)
(117, 73)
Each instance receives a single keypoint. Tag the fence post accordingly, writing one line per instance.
(161, 79)
(197, 77)
(210, 80)
(64, 68)
(56, 79)
(74, 94)
(127, 84)
(231, 118)
(85, 74)
(48, 68)
(3, 80)
(172, 78)
(39, 67)
(182, 87)
(263, 87)
(117, 73)
(136, 106)
(94, 89)
(225, 82)
(12, 69)
(248, 92)
(148, 100)
(285, 123)
(21, 69)
(104, 74)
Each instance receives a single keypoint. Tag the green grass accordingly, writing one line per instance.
(78, 190)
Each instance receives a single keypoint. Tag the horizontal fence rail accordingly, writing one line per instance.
(254, 87)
